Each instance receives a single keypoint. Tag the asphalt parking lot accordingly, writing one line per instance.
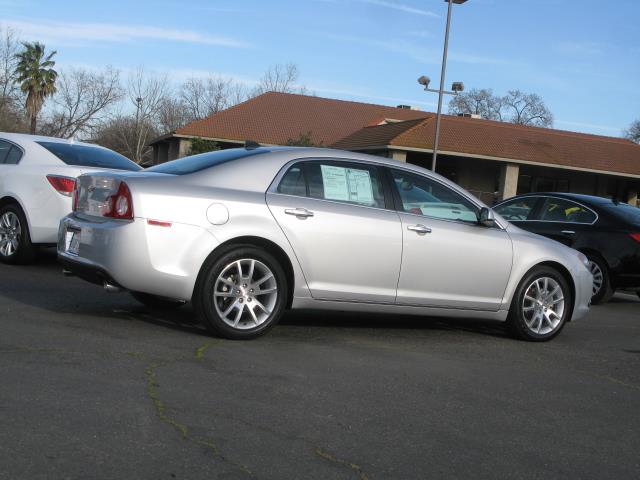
(94, 385)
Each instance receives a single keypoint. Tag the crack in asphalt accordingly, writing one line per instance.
(355, 467)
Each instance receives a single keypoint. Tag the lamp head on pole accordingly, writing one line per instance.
(424, 81)
(457, 2)
(457, 87)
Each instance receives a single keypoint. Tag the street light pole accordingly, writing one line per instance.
(441, 90)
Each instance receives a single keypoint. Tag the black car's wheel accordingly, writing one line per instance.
(15, 241)
(602, 288)
(157, 302)
(241, 294)
(541, 305)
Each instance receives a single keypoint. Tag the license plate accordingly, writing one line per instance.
(72, 241)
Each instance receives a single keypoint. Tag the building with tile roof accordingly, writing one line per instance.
(494, 160)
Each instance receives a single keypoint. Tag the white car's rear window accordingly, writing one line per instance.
(89, 156)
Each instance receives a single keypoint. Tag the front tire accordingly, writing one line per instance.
(602, 288)
(15, 240)
(541, 305)
(241, 294)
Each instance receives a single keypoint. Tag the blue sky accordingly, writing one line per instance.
(581, 56)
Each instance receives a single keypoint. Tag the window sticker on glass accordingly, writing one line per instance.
(347, 184)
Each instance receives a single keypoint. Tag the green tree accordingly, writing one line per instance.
(303, 140)
(36, 77)
(202, 145)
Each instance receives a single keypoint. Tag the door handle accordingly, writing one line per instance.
(298, 212)
(419, 229)
(568, 232)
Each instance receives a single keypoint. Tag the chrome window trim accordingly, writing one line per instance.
(556, 221)
(19, 147)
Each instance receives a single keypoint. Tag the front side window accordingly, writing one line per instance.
(560, 210)
(517, 209)
(424, 196)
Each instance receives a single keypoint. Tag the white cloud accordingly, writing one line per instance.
(75, 33)
(579, 48)
(602, 129)
(401, 7)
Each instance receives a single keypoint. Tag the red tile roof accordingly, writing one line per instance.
(274, 118)
(505, 140)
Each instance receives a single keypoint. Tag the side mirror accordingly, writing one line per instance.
(486, 217)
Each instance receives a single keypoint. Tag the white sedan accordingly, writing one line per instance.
(37, 178)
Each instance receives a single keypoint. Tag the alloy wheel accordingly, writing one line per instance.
(598, 276)
(543, 305)
(245, 293)
(10, 232)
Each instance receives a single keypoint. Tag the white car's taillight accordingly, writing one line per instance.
(63, 185)
(119, 205)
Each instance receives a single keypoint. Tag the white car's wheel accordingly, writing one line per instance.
(15, 241)
(541, 305)
(241, 294)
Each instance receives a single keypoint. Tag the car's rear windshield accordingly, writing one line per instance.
(625, 212)
(196, 163)
(88, 156)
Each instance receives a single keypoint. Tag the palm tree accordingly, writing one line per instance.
(36, 76)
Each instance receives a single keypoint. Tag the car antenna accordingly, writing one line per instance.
(251, 145)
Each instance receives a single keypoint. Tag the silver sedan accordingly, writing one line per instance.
(245, 234)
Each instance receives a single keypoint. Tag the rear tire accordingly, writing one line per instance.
(541, 305)
(15, 240)
(241, 293)
(157, 302)
(602, 288)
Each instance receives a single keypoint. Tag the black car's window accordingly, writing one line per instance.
(561, 210)
(423, 196)
(293, 182)
(517, 209)
(4, 150)
(13, 156)
(89, 156)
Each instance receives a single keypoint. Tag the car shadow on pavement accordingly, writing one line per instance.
(73, 296)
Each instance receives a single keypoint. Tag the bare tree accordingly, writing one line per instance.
(477, 102)
(515, 107)
(82, 101)
(633, 132)
(280, 78)
(11, 112)
(206, 96)
(147, 93)
(173, 114)
(119, 133)
(526, 109)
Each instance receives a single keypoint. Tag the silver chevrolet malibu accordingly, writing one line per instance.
(246, 233)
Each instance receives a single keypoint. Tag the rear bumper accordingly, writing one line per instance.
(137, 256)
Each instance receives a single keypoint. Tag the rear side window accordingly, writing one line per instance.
(560, 210)
(9, 153)
(89, 156)
(197, 163)
(339, 181)
(517, 209)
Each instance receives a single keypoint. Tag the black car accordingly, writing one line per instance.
(606, 231)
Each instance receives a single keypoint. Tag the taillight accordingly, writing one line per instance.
(635, 236)
(119, 205)
(76, 193)
(63, 185)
